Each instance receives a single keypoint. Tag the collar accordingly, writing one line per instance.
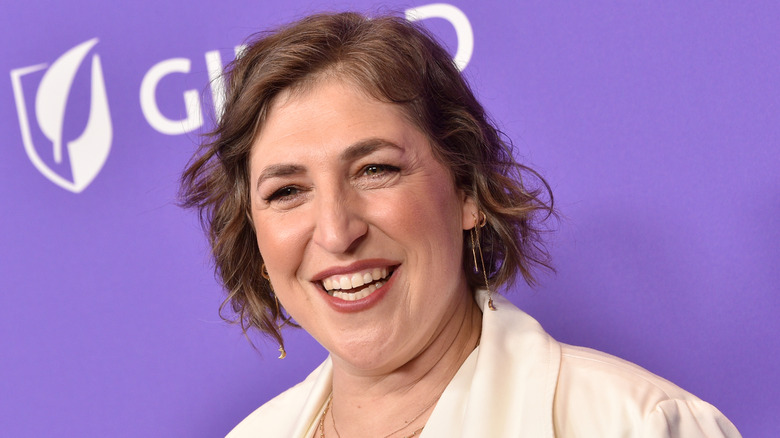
(506, 387)
(512, 386)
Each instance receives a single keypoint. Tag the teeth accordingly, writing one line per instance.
(346, 296)
(357, 280)
(346, 282)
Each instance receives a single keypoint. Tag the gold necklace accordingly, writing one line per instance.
(415, 433)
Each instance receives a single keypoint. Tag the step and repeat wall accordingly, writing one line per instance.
(657, 125)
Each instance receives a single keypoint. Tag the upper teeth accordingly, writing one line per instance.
(354, 280)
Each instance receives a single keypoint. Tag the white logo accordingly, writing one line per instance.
(459, 21)
(193, 116)
(87, 153)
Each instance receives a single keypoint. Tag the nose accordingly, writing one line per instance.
(339, 225)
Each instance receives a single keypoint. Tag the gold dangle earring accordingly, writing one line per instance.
(475, 244)
(264, 273)
(282, 352)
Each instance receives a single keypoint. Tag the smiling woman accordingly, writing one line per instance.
(366, 198)
(355, 182)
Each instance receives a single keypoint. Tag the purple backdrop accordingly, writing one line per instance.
(657, 125)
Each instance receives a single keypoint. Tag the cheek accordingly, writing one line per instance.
(437, 204)
(280, 241)
(427, 213)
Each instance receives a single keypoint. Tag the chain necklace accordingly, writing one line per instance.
(321, 426)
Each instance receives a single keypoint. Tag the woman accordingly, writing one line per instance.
(356, 184)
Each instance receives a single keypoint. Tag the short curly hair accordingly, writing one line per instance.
(395, 61)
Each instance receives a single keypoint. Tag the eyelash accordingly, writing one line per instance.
(281, 195)
(383, 168)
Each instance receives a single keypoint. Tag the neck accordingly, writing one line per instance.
(376, 404)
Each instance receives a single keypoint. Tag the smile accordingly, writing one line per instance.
(356, 286)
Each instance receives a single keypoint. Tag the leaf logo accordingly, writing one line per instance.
(89, 151)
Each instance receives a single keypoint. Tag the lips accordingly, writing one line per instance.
(357, 285)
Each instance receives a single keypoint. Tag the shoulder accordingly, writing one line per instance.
(601, 393)
(575, 391)
(284, 413)
(585, 369)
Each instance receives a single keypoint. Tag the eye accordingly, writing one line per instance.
(284, 194)
(374, 170)
(375, 176)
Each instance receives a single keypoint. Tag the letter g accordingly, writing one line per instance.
(156, 119)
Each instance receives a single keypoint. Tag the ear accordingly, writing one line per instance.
(470, 216)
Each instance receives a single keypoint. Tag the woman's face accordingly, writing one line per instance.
(359, 225)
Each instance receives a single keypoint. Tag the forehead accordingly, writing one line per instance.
(328, 114)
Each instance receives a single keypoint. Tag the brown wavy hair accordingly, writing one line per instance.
(394, 61)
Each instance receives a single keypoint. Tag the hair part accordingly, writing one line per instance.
(393, 61)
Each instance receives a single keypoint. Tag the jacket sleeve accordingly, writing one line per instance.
(687, 419)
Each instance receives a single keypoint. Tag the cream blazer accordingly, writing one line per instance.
(520, 382)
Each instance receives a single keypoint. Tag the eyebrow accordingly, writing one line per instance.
(279, 170)
(366, 147)
(355, 151)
